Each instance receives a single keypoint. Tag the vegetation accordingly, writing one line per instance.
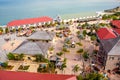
(40, 58)
(43, 69)
(14, 30)
(79, 43)
(91, 76)
(114, 16)
(22, 67)
(12, 56)
(4, 65)
(65, 50)
(6, 30)
(78, 32)
(1, 30)
(63, 66)
(51, 48)
(19, 57)
(60, 53)
(20, 29)
(84, 32)
(76, 68)
(47, 68)
(85, 55)
(81, 36)
(80, 51)
(93, 38)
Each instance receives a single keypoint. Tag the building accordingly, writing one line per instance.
(113, 57)
(9, 75)
(38, 43)
(109, 48)
(29, 22)
(115, 24)
(42, 36)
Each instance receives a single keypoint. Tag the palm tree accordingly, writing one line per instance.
(63, 66)
(76, 68)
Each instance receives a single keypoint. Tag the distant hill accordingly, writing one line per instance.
(117, 9)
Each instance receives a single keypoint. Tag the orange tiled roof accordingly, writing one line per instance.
(105, 33)
(29, 21)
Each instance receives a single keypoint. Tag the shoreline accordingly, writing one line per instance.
(82, 15)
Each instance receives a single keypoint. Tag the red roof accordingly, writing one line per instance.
(29, 21)
(105, 33)
(116, 23)
(117, 30)
(9, 75)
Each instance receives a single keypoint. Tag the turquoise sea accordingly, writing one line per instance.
(20, 9)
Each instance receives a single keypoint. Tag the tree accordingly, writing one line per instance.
(84, 32)
(76, 68)
(4, 65)
(60, 53)
(85, 55)
(51, 48)
(91, 76)
(6, 30)
(80, 51)
(1, 29)
(39, 58)
(63, 66)
(11, 56)
(51, 67)
(80, 77)
(94, 76)
(19, 29)
(19, 57)
(93, 38)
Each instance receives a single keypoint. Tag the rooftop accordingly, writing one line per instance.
(29, 21)
(11, 45)
(41, 35)
(9, 75)
(30, 47)
(108, 44)
(117, 31)
(116, 23)
(105, 33)
(115, 50)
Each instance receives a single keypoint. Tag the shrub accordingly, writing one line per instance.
(85, 55)
(80, 44)
(51, 49)
(1, 29)
(80, 51)
(4, 65)
(84, 33)
(65, 50)
(93, 38)
(23, 67)
(11, 56)
(6, 30)
(60, 53)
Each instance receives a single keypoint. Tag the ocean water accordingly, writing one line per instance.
(20, 9)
